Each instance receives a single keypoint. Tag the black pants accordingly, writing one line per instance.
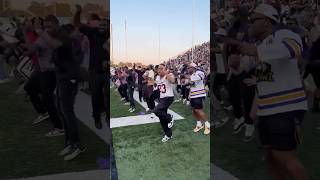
(97, 87)
(48, 85)
(66, 92)
(218, 82)
(241, 97)
(150, 97)
(140, 88)
(130, 95)
(161, 112)
(185, 92)
(124, 91)
(33, 89)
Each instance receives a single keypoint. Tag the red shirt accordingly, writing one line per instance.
(32, 37)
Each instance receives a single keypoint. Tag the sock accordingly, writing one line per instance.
(207, 124)
(199, 123)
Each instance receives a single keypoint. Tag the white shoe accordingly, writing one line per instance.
(188, 103)
(170, 124)
(127, 103)
(238, 125)
(229, 108)
(41, 118)
(66, 151)
(222, 122)
(166, 138)
(132, 110)
(249, 133)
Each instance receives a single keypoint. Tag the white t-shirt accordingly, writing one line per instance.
(197, 88)
(165, 87)
(279, 83)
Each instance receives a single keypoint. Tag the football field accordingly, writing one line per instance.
(140, 154)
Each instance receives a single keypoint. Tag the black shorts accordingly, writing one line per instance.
(279, 131)
(197, 103)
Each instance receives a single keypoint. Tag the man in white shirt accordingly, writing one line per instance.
(197, 96)
(280, 99)
(164, 82)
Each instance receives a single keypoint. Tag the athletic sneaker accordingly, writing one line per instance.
(219, 124)
(228, 108)
(178, 100)
(188, 103)
(249, 133)
(170, 124)
(65, 151)
(127, 103)
(122, 99)
(132, 110)
(184, 101)
(55, 132)
(98, 124)
(198, 128)
(166, 138)
(41, 118)
(238, 125)
(74, 153)
(206, 131)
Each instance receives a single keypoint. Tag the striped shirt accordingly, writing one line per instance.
(197, 88)
(278, 79)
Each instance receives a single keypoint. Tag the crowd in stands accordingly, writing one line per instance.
(129, 79)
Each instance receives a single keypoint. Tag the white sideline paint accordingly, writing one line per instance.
(94, 175)
(83, 112)
(140, 119)
(220, 174)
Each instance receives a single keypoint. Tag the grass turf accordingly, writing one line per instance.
(245, 160)
(140, 154)
(26, 152)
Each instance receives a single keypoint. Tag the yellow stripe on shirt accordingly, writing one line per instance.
(277, 99)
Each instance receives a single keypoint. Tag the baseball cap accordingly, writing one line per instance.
(268, 11)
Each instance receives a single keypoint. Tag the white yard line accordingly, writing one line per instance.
(140, 119)
(220, 174)
(93, 175)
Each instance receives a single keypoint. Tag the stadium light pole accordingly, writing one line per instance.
(126, 41)
(159, 44)
(193, 27)
(111, 42)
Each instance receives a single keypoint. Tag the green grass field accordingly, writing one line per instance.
(26, 152)
(140, 154)
(245, 160)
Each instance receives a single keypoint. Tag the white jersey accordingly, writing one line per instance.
(165, 87)
(197, 88)
(279, 83)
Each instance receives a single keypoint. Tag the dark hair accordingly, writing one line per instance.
(53, 19)
(94, 16)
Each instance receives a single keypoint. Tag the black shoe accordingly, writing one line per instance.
(98, 123)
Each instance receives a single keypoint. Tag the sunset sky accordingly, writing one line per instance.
(144, 17)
